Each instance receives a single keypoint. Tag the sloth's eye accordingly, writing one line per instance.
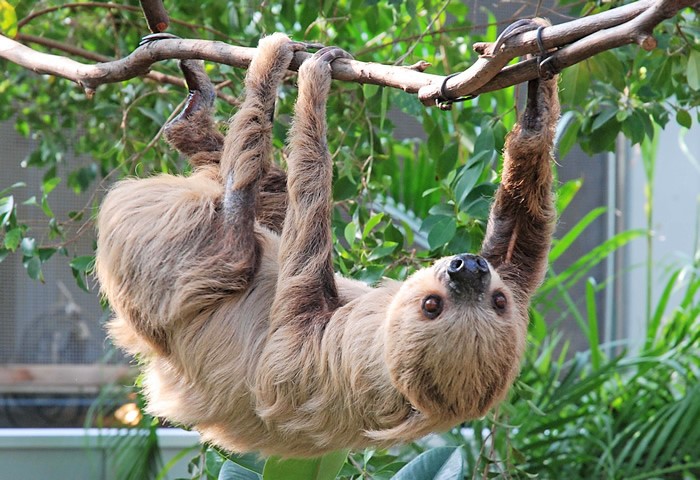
(499, 302)
(432, 306)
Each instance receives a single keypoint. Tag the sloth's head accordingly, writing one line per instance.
(454, 337)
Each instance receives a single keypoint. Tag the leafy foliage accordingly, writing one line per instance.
(603, 413)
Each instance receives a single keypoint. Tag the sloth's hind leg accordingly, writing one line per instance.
(193, 132)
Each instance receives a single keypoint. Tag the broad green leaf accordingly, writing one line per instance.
(605, 115)
(486, 141)
(382, 251)
(465, 182)
(436, 142)
(233, 471)
(33, 266)
(442, 463)
(567, 132)
(349, 233)
(683, 118)
(50, 184)
(28, 246)
(321, 468)
(83, 264)
(447, 160)
(575, 85)
(440, 230)
(371, 223)
(693, 70)
(12, 239)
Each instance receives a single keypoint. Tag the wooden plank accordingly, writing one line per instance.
(60, 378)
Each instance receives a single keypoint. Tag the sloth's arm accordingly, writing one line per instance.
(306, 294)
(306, 289)
(522, 217)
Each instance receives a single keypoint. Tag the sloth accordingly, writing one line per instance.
(222, 282)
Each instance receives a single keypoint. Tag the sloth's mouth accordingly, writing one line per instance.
(468, 276)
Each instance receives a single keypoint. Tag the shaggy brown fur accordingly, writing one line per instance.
(248, 336)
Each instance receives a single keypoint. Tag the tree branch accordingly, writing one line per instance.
(575, 41)
(157, 77)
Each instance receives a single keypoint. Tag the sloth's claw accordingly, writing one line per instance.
(155, 37)
(304, 46)
(202, 92)
(516, 28)
(330, 54)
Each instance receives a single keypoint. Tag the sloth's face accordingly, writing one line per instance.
(454, 337)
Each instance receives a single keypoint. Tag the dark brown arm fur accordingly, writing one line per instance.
(523, 216)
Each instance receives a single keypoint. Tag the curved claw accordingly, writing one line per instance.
(330, 54)
(516, 28)
(156, 36)
(304, 46)
(198, 83)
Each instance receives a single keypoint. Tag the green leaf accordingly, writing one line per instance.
(349, 233)
(12, 239)
(566, 193)
(321, 468)
(28, 246)
(8, 19)
(7, 206)
(486, 141)
(603, 117)
(561, 245)
(233, 471)
(447, 160)
(45, 207)
(382, 250)
(33, 266)
(436, 142)
(442, 463)
(591, 310)
(84, 263)
(693, 70)
(465, 182)
(50, 184)
(575, 84)
(440, 230)
(683, 118)
(567, 132)
(371, 223)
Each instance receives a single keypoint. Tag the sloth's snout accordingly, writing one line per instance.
(468, 274)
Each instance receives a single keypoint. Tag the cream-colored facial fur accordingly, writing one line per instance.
(222, 283)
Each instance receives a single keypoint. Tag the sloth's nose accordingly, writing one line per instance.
(469, 273)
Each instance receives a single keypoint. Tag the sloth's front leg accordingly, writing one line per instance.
(306, 292)
(306, 283)
(522, 217)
